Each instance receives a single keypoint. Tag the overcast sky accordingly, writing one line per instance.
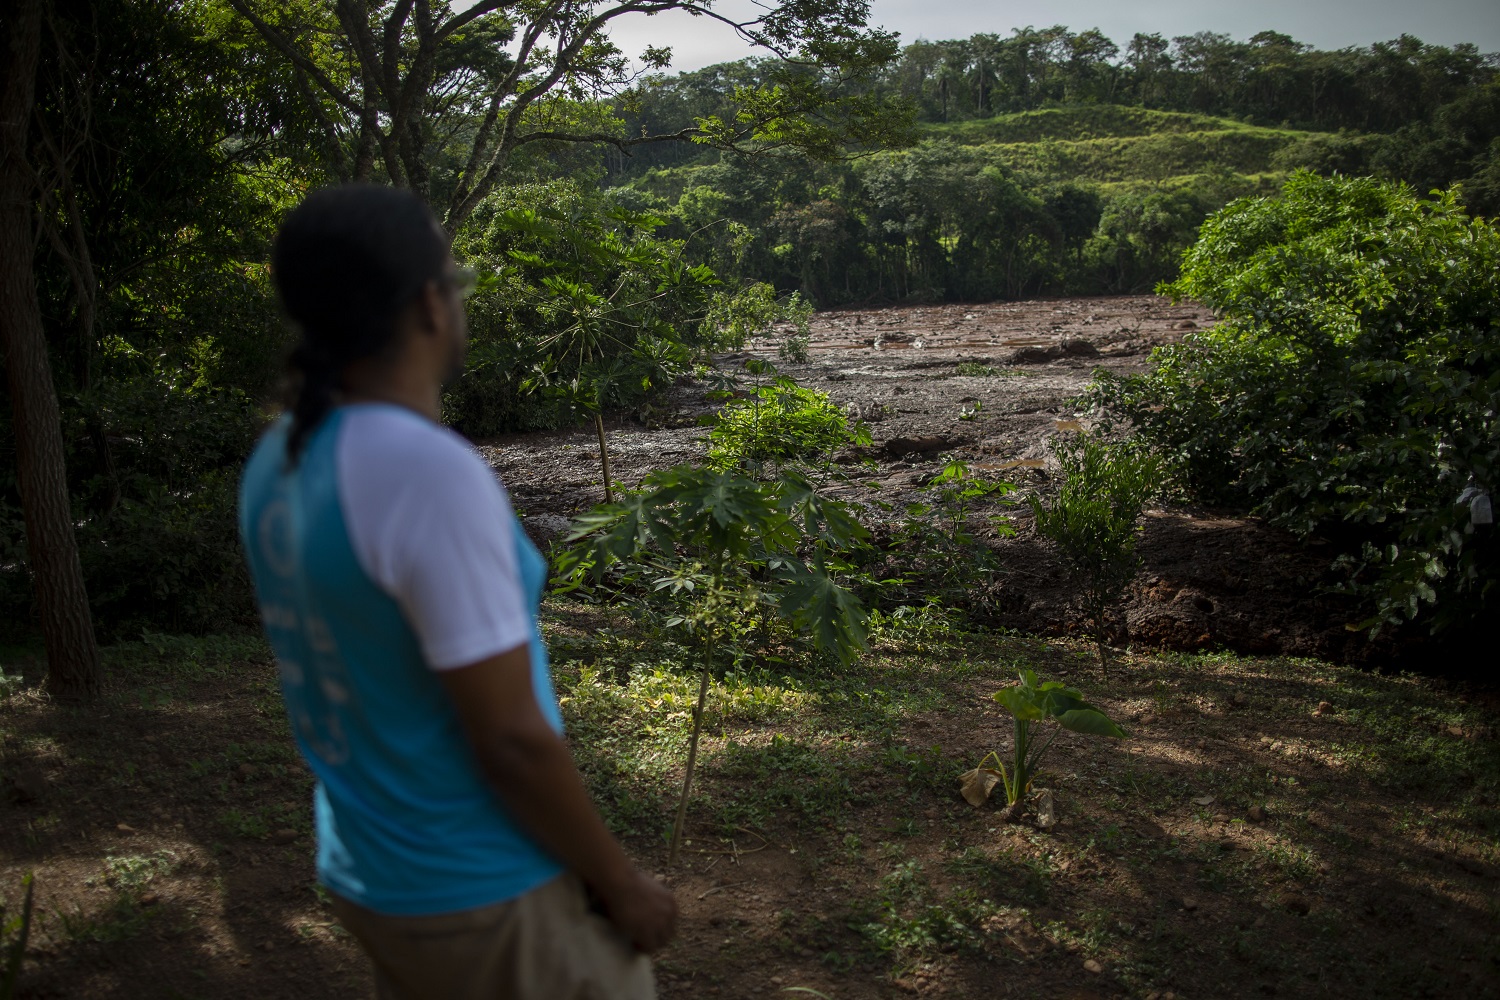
(1327, 24)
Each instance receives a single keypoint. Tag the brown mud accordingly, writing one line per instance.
(1209, 579)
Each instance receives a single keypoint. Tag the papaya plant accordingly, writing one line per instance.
(1031, 705)
(720, 547)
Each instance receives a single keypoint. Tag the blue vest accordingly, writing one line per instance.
(407, 824)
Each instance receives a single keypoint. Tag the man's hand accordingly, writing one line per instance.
(643, 910)
(530, 768)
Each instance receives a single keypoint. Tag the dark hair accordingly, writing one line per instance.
(345, 263)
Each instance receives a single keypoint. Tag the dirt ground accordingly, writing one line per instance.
(1209, 579)
(1270, 828)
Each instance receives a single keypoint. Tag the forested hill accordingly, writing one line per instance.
(1270, 80)
(1058, 162)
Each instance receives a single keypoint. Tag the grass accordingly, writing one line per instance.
(1091, 121)
(841, 763)
(1380, 835)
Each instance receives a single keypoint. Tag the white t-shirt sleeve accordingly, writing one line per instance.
(432, 527)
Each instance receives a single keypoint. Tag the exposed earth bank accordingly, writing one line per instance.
(1209, 579)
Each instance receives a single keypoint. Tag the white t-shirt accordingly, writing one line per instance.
(432, 527)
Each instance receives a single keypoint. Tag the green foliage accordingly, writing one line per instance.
(1459, 144)
(724, 548)
(1094, 519)
(1030, 703)
(798, 312)
(581, 309)
(718, 545)
(779, 425)
(1352, 389)
(945, 220)
(173, 150)
(940, 533)
(1056, 163)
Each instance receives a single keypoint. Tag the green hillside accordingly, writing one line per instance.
(1109, 144)
(1082, 121)
(1103, 198)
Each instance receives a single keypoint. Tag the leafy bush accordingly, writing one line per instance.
(779, 424)
(1353, 388)
(1093, 520)
(581, 308)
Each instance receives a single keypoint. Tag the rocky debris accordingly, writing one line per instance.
(1210, 579)
(544, 529)
(1073, 348)
(1046, 810)
(924, 445)
(870, 411)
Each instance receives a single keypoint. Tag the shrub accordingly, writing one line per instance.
(1093, 521)
(946, 555)
(780, 424)
(1353, 388)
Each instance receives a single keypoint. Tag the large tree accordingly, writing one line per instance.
(52, 549)
(424, 96)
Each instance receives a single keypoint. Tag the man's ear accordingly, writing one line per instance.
(431, 308)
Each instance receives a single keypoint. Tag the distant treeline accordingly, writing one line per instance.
(1056, 161)
(1272, 80)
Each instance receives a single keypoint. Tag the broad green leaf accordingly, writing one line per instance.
(1020, 702)
(1089, 720)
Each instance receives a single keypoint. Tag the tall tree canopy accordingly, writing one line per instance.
(437, 99)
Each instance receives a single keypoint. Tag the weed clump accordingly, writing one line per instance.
(777, 425)
(1093, 521)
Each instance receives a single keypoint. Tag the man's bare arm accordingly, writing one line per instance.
(532, 771)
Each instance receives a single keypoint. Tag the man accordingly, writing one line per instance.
(400, 596)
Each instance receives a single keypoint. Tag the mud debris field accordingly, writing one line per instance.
(1209, 579)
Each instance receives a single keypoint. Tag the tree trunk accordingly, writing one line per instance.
(609, 491)
(51, 548)
(692, 762)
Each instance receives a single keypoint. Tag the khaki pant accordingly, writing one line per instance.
(545, 945)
